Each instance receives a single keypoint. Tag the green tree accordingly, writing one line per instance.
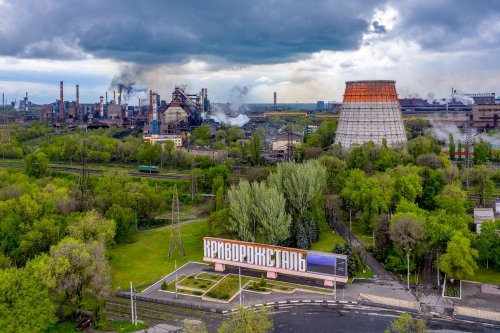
(93, 227)
(459, 260)
(241, 220)
(269, 210)
(37, 165)
(452, 147)
(148, 153)
(405, 323)
(479, 178)
(423, 145)
(488, 243)
(255, 149)
(25, 305)
(482, 152)
(201, 135)
(247, 320)
(407, 232)
(302, 186)
(77, 272)
(366, 195)
(125, 222)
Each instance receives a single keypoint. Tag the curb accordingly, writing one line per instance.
(294, 302)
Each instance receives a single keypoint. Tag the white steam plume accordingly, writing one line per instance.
(441, 131)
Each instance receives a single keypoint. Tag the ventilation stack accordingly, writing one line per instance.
(371, 112)
(101, 108)
(154, 127)
(275, 106)
(77, 111)
(61, 101)
(26, 102)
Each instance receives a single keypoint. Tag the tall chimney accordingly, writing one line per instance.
(119, 95)
(106, 98)
(26, 102)
(275, 105)
(154, 128)
(77, 111)
(61, 102)
(114, 97)
(101, 108)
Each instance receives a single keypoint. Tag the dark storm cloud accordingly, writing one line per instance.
(258, 31)
(450, 24)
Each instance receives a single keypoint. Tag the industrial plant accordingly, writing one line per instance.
(371, 112)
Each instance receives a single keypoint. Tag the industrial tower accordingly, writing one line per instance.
(370, 112)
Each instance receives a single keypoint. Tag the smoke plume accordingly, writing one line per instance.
(441, 131)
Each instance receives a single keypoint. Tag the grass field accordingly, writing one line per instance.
(146, 260)
(484, 275)
(327, 239)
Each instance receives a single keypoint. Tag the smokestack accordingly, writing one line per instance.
(119, 95)
(275, 106)
(106, 98)
(101, 108)
(77, 111)
(154, 129)
(26, 102)
(114, 97)
(61, 102)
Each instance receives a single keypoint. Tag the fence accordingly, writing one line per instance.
(462, 312)
(389, 302)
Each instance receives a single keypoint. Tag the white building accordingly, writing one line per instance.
(161, 139)
(481, 215)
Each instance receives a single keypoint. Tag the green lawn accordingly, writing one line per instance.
(146, 260)
(484, 275)
(361, 234)
(327, 239)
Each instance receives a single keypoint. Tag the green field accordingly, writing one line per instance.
(146, 260)
(483, 275)
(327, 239)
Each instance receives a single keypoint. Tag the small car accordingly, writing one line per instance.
(84, 325)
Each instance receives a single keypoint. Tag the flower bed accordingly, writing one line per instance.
(226, 288)
(452, 289)
(210, 277)
(193, 282)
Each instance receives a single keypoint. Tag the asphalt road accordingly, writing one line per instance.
(319, 319)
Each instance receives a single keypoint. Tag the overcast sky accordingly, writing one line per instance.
(303, 50)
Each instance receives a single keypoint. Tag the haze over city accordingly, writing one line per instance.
(303, 51)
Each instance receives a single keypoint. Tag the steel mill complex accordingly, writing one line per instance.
(370, 112)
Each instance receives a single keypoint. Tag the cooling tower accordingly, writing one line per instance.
(370, 112)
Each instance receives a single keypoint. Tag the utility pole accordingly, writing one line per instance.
(175, 268)
(175, 230)
(239, 277)
(132, 304)
(335, 280)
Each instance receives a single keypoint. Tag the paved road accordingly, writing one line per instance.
(318, 319)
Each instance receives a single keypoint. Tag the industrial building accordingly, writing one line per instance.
(370, 112)
(486, 116)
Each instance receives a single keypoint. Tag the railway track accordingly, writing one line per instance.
(172, 176)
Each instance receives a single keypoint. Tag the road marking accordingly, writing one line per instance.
(343, 302)
(318, 301)
(294, 301)
(306, 301)
(270, 303)
(282, 302)
(256, 305)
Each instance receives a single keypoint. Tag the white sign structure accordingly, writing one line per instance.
(275, 259)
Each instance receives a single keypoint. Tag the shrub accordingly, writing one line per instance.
(191, 277)
(203, 286)
(197, 293)
(164, 285)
